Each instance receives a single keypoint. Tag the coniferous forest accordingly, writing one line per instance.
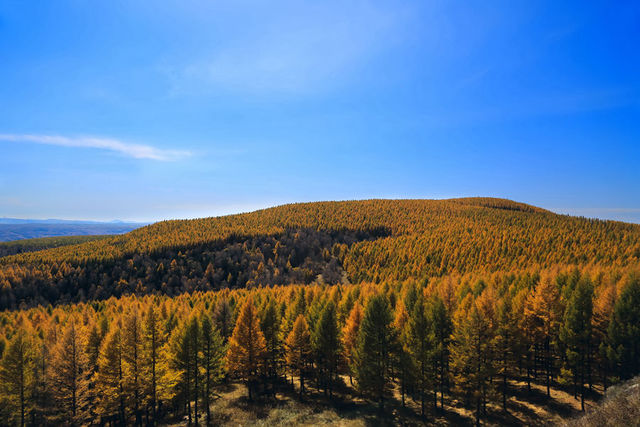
(451, 311)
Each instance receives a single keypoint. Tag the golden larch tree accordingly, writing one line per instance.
(298, 347)
(247, 347)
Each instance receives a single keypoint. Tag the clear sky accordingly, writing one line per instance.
(142, 110)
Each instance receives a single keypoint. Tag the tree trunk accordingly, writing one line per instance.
(548, 362)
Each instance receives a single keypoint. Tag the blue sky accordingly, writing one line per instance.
(145, 111)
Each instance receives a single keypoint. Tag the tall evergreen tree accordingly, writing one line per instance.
(154, 363)
(543, 313)
(40, 392)
(603, 309)
(94, 340)
(350, 333)
(298, 346)
(110, 377)
(211, 361)
(270, 326)
(505, 343)
(16, 376)
(69, 374)
(223, 318)
(377, 344)
(469, 355)
(247, 347)
(194, 337)
(403, 362)
(576, 334)
(624, 330)
(184, 346)
(132, 358)
(442, 328)
(421, 347)
(326, 346)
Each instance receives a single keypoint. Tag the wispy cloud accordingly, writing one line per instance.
(136, 151)
(310, 47)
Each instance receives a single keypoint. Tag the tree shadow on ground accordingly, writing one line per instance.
(539, 398)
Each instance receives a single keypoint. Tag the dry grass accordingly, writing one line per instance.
(620, 407)
(349, 410)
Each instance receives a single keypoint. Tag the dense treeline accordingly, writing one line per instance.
(138, 360)
(296, 256)
(368, 241)
(31, 245)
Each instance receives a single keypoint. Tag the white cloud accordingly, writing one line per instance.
(137, 151)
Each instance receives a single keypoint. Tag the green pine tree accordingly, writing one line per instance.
(624, 330)
(420, 340)
(326, 346)
(575, 333)
(211, 355)
(16, 376)
(376, 347)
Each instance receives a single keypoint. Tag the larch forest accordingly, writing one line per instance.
(460, 311)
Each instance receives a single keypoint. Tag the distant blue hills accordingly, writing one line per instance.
(18, 229)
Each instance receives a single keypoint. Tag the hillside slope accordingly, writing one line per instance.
(31, 245)
(370, 240)
(620, 407)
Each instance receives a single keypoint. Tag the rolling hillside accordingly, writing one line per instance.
(355, 241)
(400, 312)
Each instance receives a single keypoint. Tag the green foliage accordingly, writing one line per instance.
(211, 354)
(575, 332)
(16, 378)
(326, 346)
(421, 346)
(624, 330)
(376, 348)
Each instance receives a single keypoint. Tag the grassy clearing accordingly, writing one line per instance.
(349, 410)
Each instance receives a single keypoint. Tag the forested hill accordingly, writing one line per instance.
(358, 241)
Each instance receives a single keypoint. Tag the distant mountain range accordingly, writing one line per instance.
(17, 229)
(4, 220)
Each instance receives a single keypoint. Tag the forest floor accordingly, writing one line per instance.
(233, 408)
